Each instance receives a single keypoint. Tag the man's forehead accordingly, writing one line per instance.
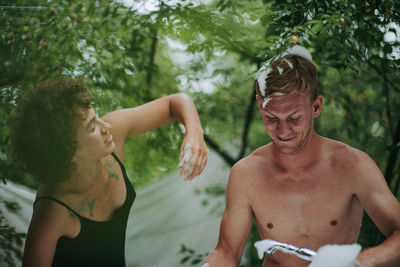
(293, 96)
(290, 99)
(289, 109)
(286, 104)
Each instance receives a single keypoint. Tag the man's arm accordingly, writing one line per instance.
(126, 123)
(236, 221)
(384, 209)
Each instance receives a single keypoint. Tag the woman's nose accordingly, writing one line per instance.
(105, 127)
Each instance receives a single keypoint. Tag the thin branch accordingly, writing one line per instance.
(31, 8)
(149, 76)
(377, 70)
(397, 187)
(388, 106)
(247, 123)
(230, 160)
(392, 159)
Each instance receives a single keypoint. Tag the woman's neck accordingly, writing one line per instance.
(84, 176)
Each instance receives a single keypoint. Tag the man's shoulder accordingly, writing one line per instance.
(339, 151)
(338, 146)
(251, 165)
(258, 156)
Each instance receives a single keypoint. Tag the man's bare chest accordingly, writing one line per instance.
(310, 211)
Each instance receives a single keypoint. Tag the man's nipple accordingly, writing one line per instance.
(270, 225)
(333, 222)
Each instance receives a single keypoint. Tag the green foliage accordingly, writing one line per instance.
(190, 255)
(104, 44)
(124, 59)
(10, 240)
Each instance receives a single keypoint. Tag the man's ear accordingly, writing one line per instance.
(317, 106)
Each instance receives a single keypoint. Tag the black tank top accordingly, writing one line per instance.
(98, 243)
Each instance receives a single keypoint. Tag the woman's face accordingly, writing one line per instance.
(93, 136)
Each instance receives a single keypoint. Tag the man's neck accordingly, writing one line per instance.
(302, 159)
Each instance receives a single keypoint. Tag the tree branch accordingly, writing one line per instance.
(228, 159)
(397, 187)
(393, 155)
(149, 76)
(388, 107)
(247, 123)
(374, 67)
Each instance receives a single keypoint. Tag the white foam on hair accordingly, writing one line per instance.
(298, 51)
(262, 76)
(262, 73)
(266, 101)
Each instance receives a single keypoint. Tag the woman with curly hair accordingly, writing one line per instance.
(84, 197)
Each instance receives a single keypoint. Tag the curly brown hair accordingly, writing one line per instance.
(44, 130)
(298, 75)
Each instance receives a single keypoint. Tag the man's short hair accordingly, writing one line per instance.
(44, 129)
(289, 74)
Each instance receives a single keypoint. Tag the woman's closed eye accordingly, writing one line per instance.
(93, 127)
(94, 124)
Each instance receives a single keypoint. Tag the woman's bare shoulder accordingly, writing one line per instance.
(49, 211)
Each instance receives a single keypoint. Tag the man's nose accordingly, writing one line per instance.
(283, 129)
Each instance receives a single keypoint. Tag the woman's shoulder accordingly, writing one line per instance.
(49, 222)
(49, 210)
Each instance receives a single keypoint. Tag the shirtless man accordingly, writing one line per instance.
(303, 189)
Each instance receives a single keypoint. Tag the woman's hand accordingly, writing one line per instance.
(194, 154)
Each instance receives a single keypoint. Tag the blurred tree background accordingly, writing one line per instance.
(128, 53)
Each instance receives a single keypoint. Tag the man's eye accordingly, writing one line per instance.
(294, 119)
(272, 119)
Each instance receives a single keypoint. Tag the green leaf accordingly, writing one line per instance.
(185, 259)
(317, 27)
(196, 261)
(289, 63)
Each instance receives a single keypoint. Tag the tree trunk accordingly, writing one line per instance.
(392, 159)
(149, 76)
(247, 123)
(228, 158)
